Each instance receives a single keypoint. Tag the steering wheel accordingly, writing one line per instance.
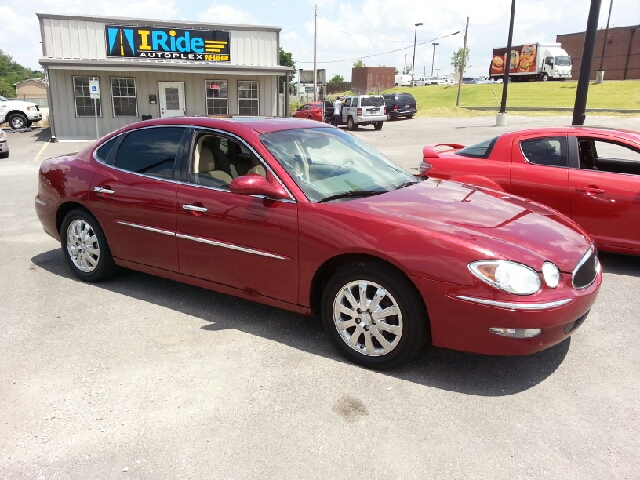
(340, 166)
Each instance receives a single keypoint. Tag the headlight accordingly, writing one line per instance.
(29, 108)
(3, 135)
(551, 274)
(510, 277)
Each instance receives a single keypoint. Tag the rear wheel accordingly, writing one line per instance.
(544, 77)
(374, 315)
(377, 125)
(409, 116)
(351, 124)
(85, 247)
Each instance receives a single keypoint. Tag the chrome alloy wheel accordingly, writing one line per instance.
(367, 318)
(83, 246)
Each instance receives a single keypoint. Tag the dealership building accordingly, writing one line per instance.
(144, 69)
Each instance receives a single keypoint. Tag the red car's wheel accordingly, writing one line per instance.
(373, 315)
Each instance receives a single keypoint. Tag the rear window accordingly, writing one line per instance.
(479, 150)
(105, 149)
(372, 101)
(406, 98)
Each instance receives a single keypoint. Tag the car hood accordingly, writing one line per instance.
(494, 223)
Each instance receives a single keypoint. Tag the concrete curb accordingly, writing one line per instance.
(553, 109)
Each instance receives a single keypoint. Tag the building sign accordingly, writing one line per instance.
(167, 43)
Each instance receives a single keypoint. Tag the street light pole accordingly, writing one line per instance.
(464, 54)
(315, 63)
(600, 74)
(415, 39)
(434, 57)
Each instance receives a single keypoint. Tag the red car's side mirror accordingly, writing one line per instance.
(257, 185)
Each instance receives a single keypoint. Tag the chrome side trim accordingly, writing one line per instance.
(516, 306)
(37, 200)
(230, 246)
(149, 229)
(582, 262)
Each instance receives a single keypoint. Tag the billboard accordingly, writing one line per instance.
(167, 43)
(523, 60)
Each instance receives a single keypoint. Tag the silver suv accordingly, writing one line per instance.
(364, 110)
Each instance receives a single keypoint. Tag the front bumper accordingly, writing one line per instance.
(34, 116)
(4, 146)
(464, 323)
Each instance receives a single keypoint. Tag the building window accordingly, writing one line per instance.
(247, 97)
(217, 98)
(84, 104)
(123, 95)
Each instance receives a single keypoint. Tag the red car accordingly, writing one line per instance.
(592, 175)
(312, 111)
(303, 216)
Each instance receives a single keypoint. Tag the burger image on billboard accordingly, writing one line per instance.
(527, 61)
(497, 65)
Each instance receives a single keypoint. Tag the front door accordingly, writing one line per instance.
(171, 99)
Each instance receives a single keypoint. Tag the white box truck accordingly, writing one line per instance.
(403, 80)
(533, 61)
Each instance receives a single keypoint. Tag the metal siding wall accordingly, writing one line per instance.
(86, 40)
(68, 127)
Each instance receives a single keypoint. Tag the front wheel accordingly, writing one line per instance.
(351, 125)
(377, 125)
(374, 315)
(85, 247)
(16, 122)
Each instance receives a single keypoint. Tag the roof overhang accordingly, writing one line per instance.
(155, 66)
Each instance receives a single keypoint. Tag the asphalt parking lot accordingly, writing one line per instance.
(141, 377)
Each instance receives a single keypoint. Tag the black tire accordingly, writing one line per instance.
(17, 121)
(4, 155)
(105, 266)
(409, 117)
(397, 288)
(378, 125)
(544, 77)
(351, 124)
(29, 123)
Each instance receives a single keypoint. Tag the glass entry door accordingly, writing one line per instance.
(171, 99)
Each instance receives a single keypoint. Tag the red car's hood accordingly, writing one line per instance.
(495, 223)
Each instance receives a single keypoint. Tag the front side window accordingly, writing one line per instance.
(85, 106)
(123, 93)
(479, 150)
(150, 151)
(326, 162)
(248, 97)
(217, 97)
(551, 151)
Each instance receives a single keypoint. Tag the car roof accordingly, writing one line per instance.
(578, 130)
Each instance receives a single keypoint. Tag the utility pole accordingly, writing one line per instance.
(464, 54)
(582, 91)
(413, 63)
(501, 119)
(600, 74)
(315, 63)
(434, 57)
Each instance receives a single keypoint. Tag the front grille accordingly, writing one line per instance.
(37, 108)
(586, 271)
(570, 327)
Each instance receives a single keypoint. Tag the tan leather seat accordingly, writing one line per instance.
(257, 170)
(206, 164)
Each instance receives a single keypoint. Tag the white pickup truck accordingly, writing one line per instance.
(19, 114)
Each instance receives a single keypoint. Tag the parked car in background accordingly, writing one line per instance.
(400, 105)
(403, 80)
(18, 113)
(420, 81)
(591, 175)
(312, 111)
(363, 110)
(302, 216)
(469, 80)
(4, 145)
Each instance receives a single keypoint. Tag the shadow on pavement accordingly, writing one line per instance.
(620, 264)
(43, 134)
(450, 370)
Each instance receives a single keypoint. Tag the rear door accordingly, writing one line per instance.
(372, 106)
(540, 170)
(406, 104)
(133, 197)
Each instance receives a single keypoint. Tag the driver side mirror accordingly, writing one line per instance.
(257, 185)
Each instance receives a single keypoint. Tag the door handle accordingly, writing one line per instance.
(194, 208)
(590, 190)
(106, 191)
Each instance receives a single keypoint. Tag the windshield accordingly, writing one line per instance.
(372, 101)
(479, 150)
(2, 99)
(563, 61)
(326, 161)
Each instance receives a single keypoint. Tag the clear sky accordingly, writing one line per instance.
(346, 30)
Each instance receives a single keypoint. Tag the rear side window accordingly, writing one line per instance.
(151, 151)
(479, 150)
(105, 149)
(550, 151)
(372, 101)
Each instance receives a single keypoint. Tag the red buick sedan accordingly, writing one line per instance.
(592, 175)
(312, 111)
(303, 216)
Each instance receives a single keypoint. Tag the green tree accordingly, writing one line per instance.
(337, 79)
(456, 60)
(12, 72)
(406, 70)
(358, 64)
(286, 59)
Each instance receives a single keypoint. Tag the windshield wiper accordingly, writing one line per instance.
(407, 184)
(352, 193)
